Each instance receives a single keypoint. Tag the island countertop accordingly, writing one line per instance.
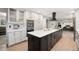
(41, 33)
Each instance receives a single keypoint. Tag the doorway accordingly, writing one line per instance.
(2, 30)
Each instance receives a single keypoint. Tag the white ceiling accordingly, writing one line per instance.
(60, 12)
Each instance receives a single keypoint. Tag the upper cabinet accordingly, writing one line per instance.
(27, 15)
(34, 16)
(39, 20)
(15, 15)
(21, 16)
(31, 15)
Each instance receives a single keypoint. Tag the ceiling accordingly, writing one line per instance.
(60, 12)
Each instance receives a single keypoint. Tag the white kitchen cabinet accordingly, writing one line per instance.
(40, 23)
(23, 35)
(36, 25)
(28, 15)
(43, 22)
(12, 15)
(15, 15)
(21, 16)
(17, 37)
(31, 15)
(11, 39)
(34, 16)
(16, 27)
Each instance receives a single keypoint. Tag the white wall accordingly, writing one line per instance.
(77, 21)
(77, 28)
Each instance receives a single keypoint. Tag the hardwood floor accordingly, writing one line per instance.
(19, 47)
(66, 43)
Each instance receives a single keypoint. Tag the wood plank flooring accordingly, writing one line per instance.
(66, 43)
(19, 47)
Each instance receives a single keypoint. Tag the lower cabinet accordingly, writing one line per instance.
(33, 43)
(53, 39)
(16, 37)
(40, 44)
(58, 35)
(45, 43)
(50, 41)
(11, 39)
(23, 35)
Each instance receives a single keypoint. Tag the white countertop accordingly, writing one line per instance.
(41, 33)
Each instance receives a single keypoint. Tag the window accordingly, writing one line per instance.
(2, 19)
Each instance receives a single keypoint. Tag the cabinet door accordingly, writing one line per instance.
(34, 16)
(44, 43)
(23, 35)
(53, 39)
(28, 15)
(11, 39)
(12, 15)
(30, 43)
(60, 34)
(21, 16)
(33, 43)
(57, 38)
(17, 36)
(37, 25)
(49, 41)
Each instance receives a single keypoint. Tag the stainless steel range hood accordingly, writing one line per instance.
(53, 16)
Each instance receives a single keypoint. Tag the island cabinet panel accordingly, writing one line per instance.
(57, 36)
(53, 39)
(50, 41)
(44, 43)
(33, 43)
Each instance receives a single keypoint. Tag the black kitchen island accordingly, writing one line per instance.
(43, 40)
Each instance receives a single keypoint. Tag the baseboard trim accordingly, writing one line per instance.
(16, 43)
